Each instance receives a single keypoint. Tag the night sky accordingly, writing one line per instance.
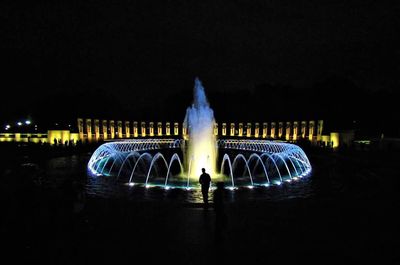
(138, 59)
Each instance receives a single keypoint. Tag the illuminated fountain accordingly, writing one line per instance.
(178, 162)
(199, 122)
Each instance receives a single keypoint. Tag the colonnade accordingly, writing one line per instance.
(95, 129)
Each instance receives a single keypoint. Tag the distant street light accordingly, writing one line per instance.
(27, 122)
(19, 123)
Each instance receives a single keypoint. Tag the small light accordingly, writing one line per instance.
(19, 123)
(8, 126)
(131, 184)
(166, 187)
(250, 187)
(27, 122)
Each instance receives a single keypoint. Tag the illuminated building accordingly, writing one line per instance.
(92, 130)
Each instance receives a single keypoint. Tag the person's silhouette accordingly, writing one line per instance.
(205, 181)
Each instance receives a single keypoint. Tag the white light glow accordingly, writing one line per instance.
(199, 121)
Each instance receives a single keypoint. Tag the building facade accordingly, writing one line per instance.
(95, 130)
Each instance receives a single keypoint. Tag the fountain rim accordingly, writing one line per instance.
(261, 147)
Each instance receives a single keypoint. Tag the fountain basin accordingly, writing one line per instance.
(159, 162)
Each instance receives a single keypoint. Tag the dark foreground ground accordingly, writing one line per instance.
(351, 218)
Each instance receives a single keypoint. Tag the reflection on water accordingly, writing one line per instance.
(58, 170)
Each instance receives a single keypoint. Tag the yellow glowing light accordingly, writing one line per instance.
(334, 139)
(202, 153)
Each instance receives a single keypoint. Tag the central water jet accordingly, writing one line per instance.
(199, 123)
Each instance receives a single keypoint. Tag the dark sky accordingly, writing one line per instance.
(72, 51)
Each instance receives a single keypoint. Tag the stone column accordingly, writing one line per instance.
(273, 129)
(288, 130)
(105, 129)
(295, 130)
(184, 131)
(265, 130)
(280, 129)
(80, 129)
(135, 129)
(248, 130)
(240, 133)
(303, 129)
(89, 129)
(320, 126)
(232, 129)
(176, 128)
(96, 130)
(159, 128)
(224, 129)
(311, 130)
(216, 128)
(119, 129)
(143, 128)
(256, 130)
(151, 129)
(127, 130)
(112, 129)
(167, 128)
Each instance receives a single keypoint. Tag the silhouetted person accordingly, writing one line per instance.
(205, 181)
(220, 216)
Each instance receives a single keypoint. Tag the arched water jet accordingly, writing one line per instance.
(284, 162)
(115, 157)
(133, 154)
(155, 158)
(254, 155)
(199, 150)
(226, 158)
(174, 157)
(137, 162)
(273, 161)
(240, 156)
